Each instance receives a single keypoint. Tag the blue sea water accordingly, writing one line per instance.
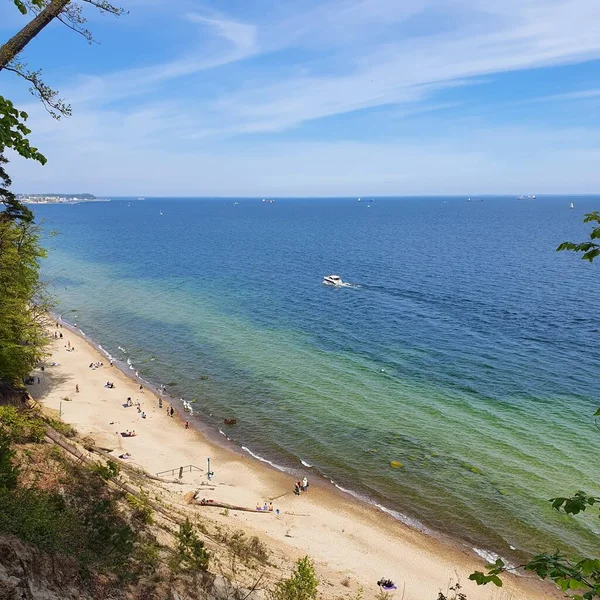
(468, 349)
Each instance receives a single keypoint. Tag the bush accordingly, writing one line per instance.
(21, 426)
(141, 509)
(9, 473)
(107, 471)
(62, 427)
(191, 553)
(244, 548)
(301, 585)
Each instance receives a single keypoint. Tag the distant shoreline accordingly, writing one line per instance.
(60, 201)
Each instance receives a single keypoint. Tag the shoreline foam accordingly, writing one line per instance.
(400, 527)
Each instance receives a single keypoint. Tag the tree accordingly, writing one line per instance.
(590, 249)
(578, 577)
(23, 303)
(67, 12)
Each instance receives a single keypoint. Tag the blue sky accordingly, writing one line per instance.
(337, 97)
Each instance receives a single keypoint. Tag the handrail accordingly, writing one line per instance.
(181, 470)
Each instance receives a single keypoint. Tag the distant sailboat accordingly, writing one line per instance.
(161, 213)
(572, 205)
(359, 200)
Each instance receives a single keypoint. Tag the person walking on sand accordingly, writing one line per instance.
(171, 411)
(187, 424)
(77, 388)
(304, 484)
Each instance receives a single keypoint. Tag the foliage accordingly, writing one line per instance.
(244, 548)
(301, 585)
(13, 135)
(23, 302)
(191, 555)
(21, 426)
(9, 473)
(60, 426)
(590, 249)
(107, 471)
(141, 509)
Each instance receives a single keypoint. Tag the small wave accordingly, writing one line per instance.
(393, 513)
(81, 332)
(122, 349)
(258, 457)
(224, 435)
(105, 352)
(129, 361)
(491, 557)
(305, 463)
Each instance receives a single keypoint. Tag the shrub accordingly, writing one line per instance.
(107, 471)
(191, 553)
(8, 471)
(244, 548)
(141, 509)
(21, 426)
(301, 585)
(62, 427)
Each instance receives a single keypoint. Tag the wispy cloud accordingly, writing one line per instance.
(268, 69)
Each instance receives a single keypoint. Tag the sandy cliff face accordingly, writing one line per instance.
(28, 574)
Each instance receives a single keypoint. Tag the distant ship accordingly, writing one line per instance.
(475, 200)
(140, 198)
(572, 205)
(268, 201)
(359, 200)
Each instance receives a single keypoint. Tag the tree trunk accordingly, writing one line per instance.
(21, 39)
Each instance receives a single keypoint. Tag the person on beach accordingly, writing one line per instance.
(187, 424)
(296, 489)
(60, 335)
(141, 388)
(171, 411)
(77, 388)
(271, 506)
(304, 484)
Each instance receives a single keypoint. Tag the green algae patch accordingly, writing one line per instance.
(473, 469)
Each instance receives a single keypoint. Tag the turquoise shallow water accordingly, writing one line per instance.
(469, 352)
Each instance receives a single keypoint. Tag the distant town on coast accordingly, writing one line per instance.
(58, 198)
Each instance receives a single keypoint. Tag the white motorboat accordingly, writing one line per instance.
(572, 205)
(333, 280)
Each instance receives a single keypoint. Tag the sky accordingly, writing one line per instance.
(317, 98)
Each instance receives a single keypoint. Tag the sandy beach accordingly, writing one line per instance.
(347, 539)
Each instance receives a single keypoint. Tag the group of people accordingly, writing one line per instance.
(129, 433)
(96, 365)
(301, 486)
(58, 335)
(264, 507)
(110, 385)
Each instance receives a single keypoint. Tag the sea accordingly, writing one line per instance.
(466, 348)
